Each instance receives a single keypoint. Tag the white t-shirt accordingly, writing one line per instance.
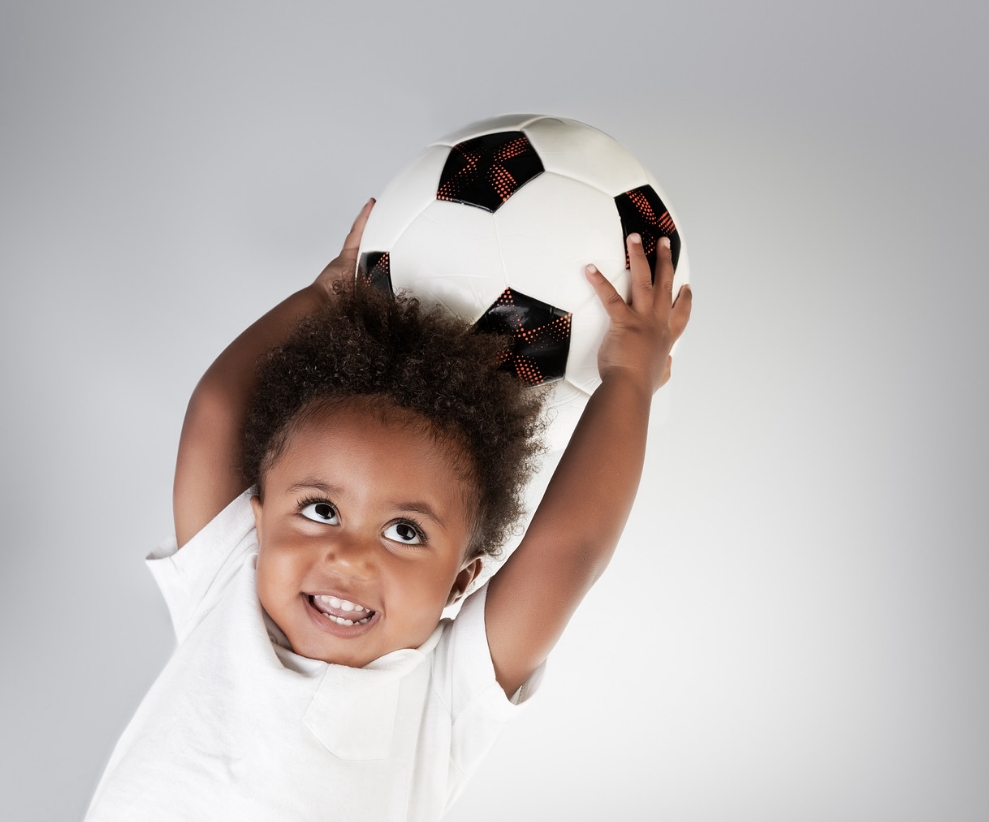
(239, 727)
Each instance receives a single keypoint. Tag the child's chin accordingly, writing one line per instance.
(320, 649)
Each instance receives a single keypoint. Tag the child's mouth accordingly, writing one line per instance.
(341, 611)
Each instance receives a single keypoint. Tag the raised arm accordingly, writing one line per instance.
(577, 525)
(207, 475)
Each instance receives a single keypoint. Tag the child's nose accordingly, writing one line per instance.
(353, 552)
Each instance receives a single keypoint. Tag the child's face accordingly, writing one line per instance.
(361, 512)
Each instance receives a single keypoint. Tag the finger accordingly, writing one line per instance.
(353, 240)
(612, 301)
(680, 313)
(638, 265)
(663, 296)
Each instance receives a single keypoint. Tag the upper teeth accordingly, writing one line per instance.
(342, 604)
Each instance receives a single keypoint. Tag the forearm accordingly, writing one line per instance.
(233, 372)
(588, 500)
(573, 532)
(207, 474)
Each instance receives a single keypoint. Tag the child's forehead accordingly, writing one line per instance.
(374, 414)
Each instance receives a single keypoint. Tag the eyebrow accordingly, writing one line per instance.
(313, 484)
(412, 506)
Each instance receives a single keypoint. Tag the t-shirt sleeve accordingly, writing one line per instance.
(192, 579)
(478, 706)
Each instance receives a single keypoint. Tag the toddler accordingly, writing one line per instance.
(385, 457)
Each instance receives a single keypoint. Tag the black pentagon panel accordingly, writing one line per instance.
(541, 335)
(375, 270)
(487, 170)
(642, 211)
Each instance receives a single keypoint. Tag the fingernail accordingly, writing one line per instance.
(635, 238)
(664, 242)
(591, 269)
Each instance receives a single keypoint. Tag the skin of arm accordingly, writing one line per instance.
(577, 525)
(207, 476)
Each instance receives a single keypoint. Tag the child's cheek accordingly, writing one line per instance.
(275, 571)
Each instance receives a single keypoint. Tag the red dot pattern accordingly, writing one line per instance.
(501, 180)
(471, 156)
(643, 212)
(532, 341)
(663, 223)
(485, 171)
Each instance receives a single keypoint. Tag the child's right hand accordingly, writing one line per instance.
(345, 265)
(207, 474)
(642, 333)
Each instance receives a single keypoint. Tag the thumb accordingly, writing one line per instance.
(353, 241)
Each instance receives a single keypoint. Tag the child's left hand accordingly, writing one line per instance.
(576, 527)
(642, 333)
(345, 265)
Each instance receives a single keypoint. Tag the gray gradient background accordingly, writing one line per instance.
(795, 626)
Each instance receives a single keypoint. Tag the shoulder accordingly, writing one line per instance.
(192, 578)
(463, 668)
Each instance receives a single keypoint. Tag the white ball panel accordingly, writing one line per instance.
(404, 198)
(576, 150)
(549, 230)
(505, 122)
(587, 378)
(588, 328)
(563, 391)
(450, 255)
(589, 325)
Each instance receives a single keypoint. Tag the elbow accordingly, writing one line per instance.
(211, 402)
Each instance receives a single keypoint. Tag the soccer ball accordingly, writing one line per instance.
(497, 221)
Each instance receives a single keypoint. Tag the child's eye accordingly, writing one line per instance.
(405, 532)
(321, 512)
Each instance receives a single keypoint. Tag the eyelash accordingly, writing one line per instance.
(305, 502)
(423, 539)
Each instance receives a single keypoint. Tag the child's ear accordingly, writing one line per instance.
(256, 507)
(466, 576)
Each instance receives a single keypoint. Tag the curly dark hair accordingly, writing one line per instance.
(369, 347)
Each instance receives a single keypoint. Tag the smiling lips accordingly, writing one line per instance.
(341, 611)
